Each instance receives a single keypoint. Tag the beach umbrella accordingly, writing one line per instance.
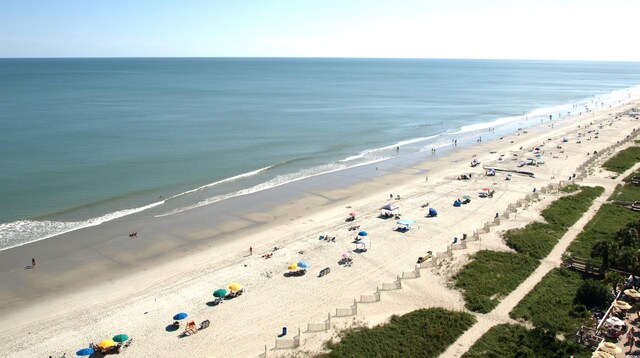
(406, 222)
(601, 354)
(352, 214)
(632, 293)
(346, 255)
(219, 293)
(614, 321)
(390, 207)
(363, 233)
(180, 316)
(304, 265)
(609, 347)
(85, 352)
(466, 197)
(107, 343)
(621, 305)
(486, 189)
(292, 266)
(120, 338)
(234, 286)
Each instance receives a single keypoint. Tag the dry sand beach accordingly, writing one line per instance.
(85, 291)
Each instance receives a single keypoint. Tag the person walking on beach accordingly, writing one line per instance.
(33, 262)
(250, 250)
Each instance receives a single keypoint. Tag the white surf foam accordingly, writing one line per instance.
(22, 232)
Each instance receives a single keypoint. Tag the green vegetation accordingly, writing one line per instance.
(624, 160)
(509, 340)
(569, 209)
(621, 251)
(603, 227)
(421, 333)
(490, 276)
(628, 191)
(538, 239)
(553, 303)
(571, 188)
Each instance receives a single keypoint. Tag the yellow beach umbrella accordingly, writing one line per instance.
(632, 293)
(234, 286)
(292, 266)
(621, 305)
(609, 347)
(601, 354)
(107, 343)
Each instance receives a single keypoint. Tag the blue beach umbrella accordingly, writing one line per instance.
(363, 233)
(85, 352)
(180, 316)
(303, 265)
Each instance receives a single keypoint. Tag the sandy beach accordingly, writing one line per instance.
(91, 284)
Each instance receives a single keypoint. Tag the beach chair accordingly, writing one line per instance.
(191, 329)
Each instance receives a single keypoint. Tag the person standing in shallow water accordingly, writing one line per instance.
(33, 262)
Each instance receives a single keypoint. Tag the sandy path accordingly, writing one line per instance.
(500, 314)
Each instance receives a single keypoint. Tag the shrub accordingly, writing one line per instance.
(592, 293)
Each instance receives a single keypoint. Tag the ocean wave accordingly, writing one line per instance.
(22, 232)
(368, 152)
(275, 182)
(227, 180)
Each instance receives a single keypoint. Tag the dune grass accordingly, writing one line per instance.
(627, 191)
(511, 340)
(421, 333)
(492, 275)
(538, 239)
(607, 221)
(551, 304)
(622, 161)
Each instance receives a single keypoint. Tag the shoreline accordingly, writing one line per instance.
(165, 206)
(293, 226)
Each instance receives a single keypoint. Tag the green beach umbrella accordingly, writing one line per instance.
(221, 292)
(120, 338)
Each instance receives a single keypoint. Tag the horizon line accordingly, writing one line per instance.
(314, 57)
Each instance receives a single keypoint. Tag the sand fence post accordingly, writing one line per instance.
(375, 297)
(264, 354)
(320, 327)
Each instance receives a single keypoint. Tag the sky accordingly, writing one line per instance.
(516, 29)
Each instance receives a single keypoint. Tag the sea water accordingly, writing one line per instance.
(84, 141)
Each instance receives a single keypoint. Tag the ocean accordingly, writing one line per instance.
(84, 141)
